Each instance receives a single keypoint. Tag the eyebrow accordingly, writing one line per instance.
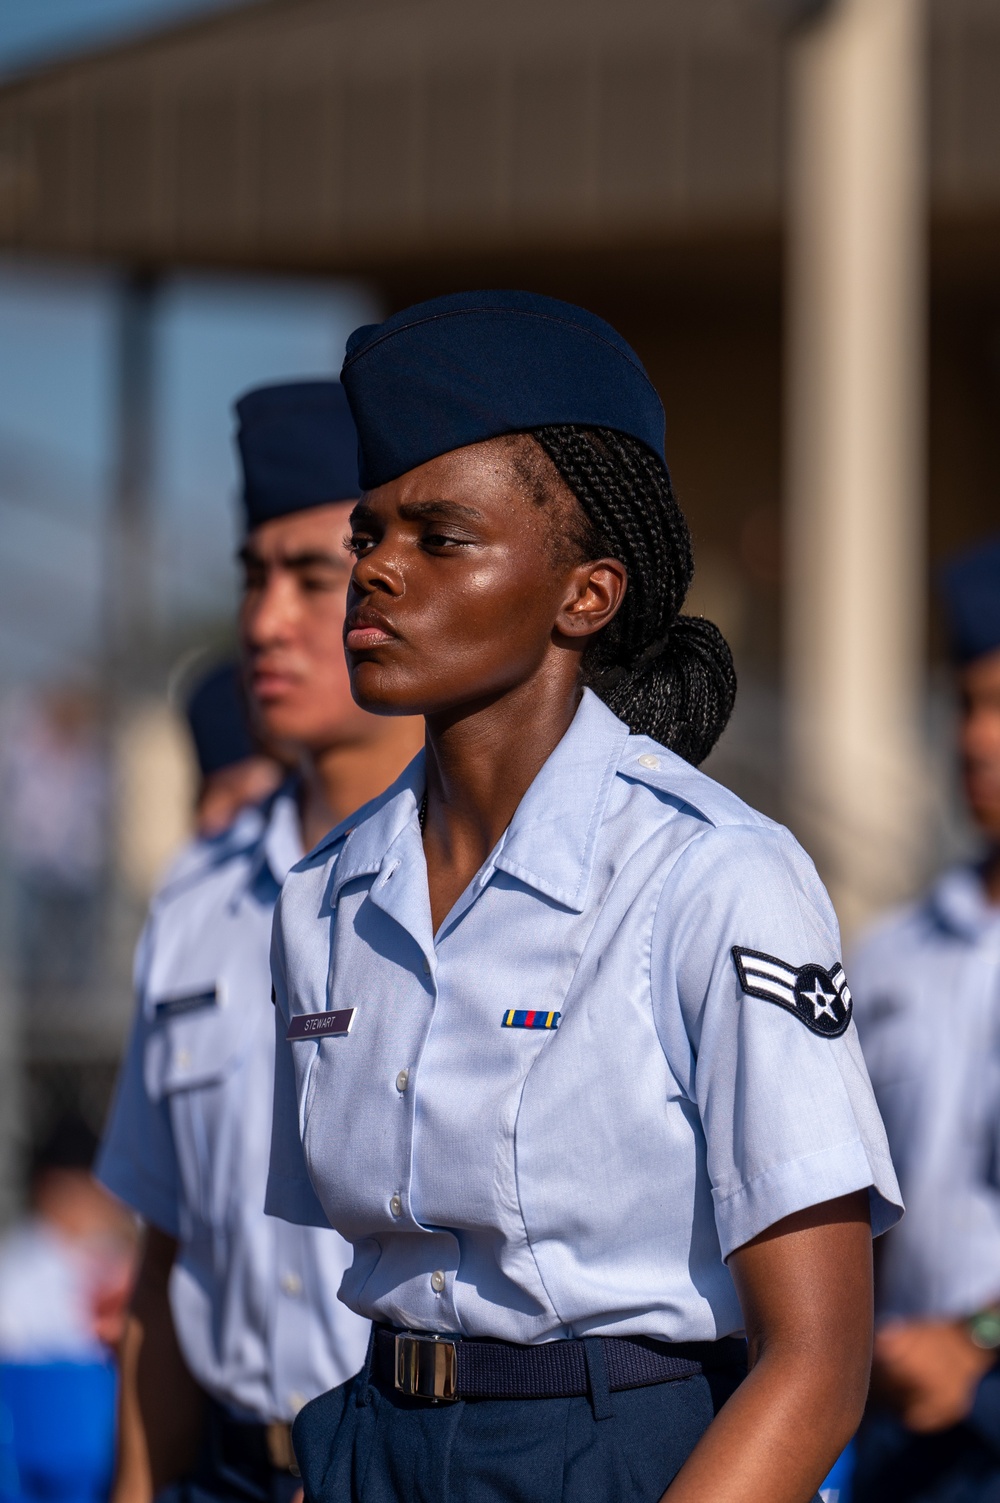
(418, 511)
(310, 558)
(451, 511)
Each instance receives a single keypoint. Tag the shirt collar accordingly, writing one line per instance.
(549, 844)
(280, 845)
(372, 831)
(551, 840)
(958, 901)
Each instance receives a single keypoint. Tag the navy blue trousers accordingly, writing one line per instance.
(226, 1487)
(223, 1477)
(960, 1465)
(362, 1444)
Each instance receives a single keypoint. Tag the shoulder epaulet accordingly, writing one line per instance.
(204, 855)
(646, 761)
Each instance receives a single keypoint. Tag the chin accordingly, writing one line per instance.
(381, 693)
(280, 722)
(989, 822)
(986, 814)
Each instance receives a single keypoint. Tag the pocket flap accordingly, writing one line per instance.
(194, 1039)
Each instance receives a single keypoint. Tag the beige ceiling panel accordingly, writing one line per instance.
(733, 143)
(125, 179)
(465, 116)
(299, 187)
(207, 170)
(383, 158)
(342, 131)
(552, 145)
(640, 141)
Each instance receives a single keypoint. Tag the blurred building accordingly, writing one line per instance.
(632, 156)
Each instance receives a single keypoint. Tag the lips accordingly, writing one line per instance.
(365, 629)
(266, 683)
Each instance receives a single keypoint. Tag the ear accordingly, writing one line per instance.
(594, 594)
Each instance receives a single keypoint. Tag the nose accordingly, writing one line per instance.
(377, 571)
(268, 614)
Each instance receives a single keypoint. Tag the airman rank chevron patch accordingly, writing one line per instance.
(819, 998)
(515, 1018)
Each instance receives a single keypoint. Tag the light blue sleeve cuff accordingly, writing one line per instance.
(810, 1181)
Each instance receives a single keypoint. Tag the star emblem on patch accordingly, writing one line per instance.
(819, 998)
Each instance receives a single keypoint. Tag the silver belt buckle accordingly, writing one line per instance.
(427, 1367)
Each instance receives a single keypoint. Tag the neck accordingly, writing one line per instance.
(339, 779)
(991, 876)
(480, 764)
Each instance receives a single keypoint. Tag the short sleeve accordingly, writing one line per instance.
(936, 1076)
(290, 1194)
(137, 1160)
(780, 1086)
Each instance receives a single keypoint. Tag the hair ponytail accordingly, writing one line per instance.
(667, 676)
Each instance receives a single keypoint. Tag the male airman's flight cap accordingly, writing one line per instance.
(970, 588)
(217, 715)
(473, 365)
(298, 448)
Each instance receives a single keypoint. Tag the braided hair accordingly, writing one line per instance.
(667, 676)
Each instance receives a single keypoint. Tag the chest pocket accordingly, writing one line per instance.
(197, 1036)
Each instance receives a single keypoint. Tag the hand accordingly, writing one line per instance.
(928, 1372)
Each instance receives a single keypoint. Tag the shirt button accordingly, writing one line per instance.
(183, 1059)
(396, 1205)
(291, 1283)
(296, 1401)
(402, 1081)
(427, 966)
(648, 760)
(437, 1281)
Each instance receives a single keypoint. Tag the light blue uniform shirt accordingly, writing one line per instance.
(530, 1183)
(927, 989)
(254, 1300)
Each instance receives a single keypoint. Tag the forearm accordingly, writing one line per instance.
(161, 1408)
(805, 1288)
(775, 1439)
(133, 1483)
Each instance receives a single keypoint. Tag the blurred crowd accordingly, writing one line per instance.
(55, 806)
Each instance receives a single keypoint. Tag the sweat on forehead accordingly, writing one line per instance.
(571, 536)
(516, 466)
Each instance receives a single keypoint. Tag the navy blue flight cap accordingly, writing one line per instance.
(298, 448)
(970, 588)
(474, 365)
(217, 715)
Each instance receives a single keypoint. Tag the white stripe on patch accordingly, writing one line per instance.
(773, 989)
(755, 967)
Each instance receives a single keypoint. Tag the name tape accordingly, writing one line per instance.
(169, 1007)
(317, 1025)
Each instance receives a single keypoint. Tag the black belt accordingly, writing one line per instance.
(255, 1449)
(450, 1367)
